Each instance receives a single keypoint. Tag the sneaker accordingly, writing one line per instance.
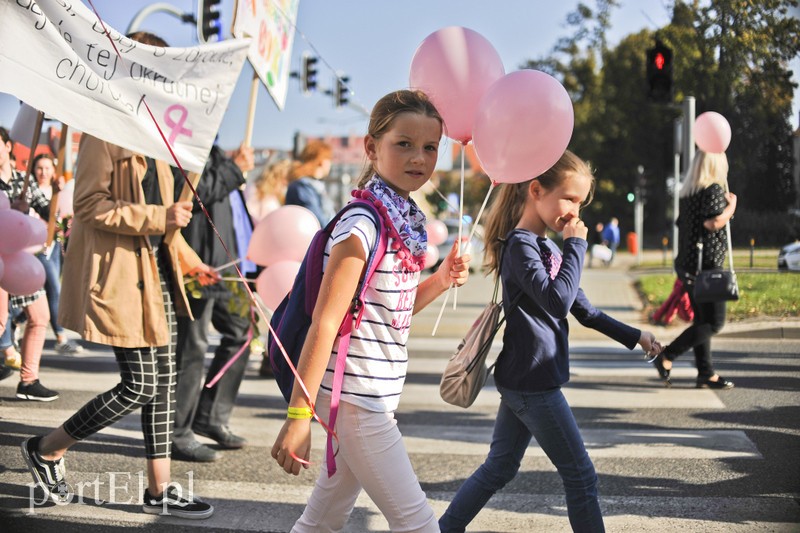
(222, 435)
(68, 347)
(5, 372)
(35, 391)
(173, 503)
(194, 452)
(720, 384)
(49, 475)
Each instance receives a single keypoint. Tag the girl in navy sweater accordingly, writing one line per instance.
(534, 361)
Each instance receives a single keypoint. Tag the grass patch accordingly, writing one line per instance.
(774, 295)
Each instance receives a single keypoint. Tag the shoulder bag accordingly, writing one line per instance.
(716, 285)
(466, 371)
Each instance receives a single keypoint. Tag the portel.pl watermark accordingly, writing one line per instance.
(126, 488)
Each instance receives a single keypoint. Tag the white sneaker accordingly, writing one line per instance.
(68, 347)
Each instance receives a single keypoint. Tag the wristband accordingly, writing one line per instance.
(299, 413)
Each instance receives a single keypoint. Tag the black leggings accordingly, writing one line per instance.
(148, 381)
(709, 318)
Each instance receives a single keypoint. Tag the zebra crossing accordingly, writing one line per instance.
(612, 393)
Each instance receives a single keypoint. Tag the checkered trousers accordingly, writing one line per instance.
(148, 381)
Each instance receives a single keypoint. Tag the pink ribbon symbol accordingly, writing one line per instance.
(176, 128)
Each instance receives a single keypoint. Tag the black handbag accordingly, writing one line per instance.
(716, 285)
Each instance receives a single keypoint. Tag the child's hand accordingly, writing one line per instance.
(649, 344)
(293, 442)
(575, 228)
(454, 269)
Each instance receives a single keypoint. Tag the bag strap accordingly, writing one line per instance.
(350, 321)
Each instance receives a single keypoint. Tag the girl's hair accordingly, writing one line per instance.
(706, 170)
(273, 180)
(145, 37)
(387, 109)
(506, 210)
(4, 135)
(314, 153)
(43, 156)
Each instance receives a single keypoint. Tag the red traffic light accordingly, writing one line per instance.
(659, 61)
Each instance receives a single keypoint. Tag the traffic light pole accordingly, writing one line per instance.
(155, 8)
(684, 145)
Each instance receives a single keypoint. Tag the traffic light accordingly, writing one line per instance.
(208, 23)
(659, 73)
(308, 77)
(342, 93)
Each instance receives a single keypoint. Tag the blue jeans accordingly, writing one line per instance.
(52, 283)
(547, 417)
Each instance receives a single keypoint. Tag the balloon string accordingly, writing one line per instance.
(460, 222)
(466, 250)
(246, 285)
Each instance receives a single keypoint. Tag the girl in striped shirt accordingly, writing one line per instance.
(402, 148)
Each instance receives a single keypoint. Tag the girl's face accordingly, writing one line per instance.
(44, 171)
(562, 203)
(406, 154)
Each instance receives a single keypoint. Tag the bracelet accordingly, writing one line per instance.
(299, 413)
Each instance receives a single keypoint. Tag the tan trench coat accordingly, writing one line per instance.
(110, 290)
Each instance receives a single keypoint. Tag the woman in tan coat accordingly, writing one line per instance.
(123, 276)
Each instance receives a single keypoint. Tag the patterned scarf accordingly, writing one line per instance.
(407, 218)
(552, 261)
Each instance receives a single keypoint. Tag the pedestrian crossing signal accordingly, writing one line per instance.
(659, 73)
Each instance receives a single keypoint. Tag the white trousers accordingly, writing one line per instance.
(371, 456)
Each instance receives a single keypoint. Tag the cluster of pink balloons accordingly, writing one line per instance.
(712, 133)
(20, 272)
(279, 242)
(520, 123)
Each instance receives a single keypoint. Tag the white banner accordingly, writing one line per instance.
(55, 56)
(271, 24)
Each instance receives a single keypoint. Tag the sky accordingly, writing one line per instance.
(373, 42)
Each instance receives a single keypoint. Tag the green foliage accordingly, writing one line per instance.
(732, 56)
(761, 295)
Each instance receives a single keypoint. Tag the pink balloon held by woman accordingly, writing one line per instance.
(712, 133)
(455, 67)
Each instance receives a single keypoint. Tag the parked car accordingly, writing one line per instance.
(789, 257)
(475, 249)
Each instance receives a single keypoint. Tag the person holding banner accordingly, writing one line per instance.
(306, 188)
(123, 277)
(34, 305)
(205, 410)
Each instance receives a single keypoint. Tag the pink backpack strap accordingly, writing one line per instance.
(349, 322)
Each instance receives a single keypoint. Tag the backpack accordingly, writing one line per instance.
(292, 318)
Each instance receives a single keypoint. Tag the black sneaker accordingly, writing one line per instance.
(35, 391)
(49, 475)
(173, 503)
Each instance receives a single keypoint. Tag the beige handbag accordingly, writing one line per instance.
(466, 371)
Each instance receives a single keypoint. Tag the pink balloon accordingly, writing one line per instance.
(4, 201)
(38, 232)
(712, 133)
(455, 67)
(523, 126)
(437, 232)
(16, 231)
(23, 275)
(65, 197)
(275, 282)
(282, 235)
(431, 255)
(2, 267)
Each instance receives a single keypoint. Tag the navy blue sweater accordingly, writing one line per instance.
(535, 354)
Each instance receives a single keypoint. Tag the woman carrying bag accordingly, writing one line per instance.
(706, 206)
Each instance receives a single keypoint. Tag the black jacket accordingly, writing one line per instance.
(220, 177)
